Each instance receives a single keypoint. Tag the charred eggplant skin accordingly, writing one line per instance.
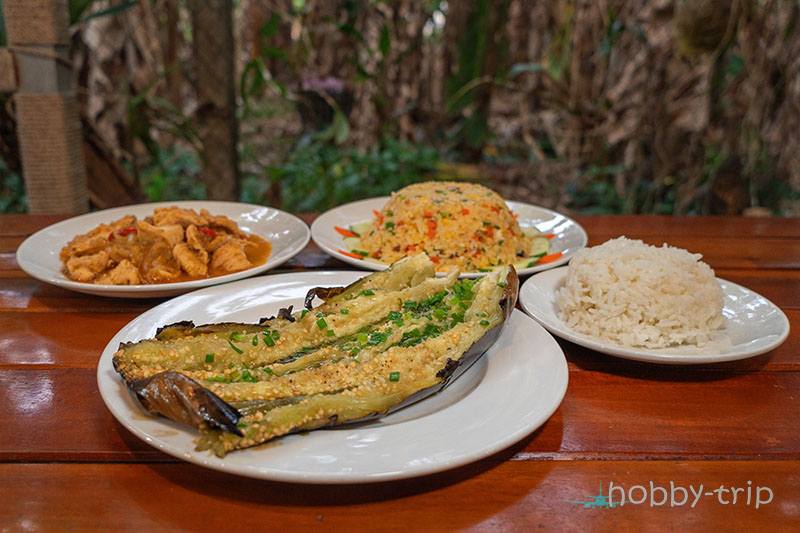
(180, 398)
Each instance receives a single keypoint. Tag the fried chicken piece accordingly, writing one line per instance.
(87, 267)
(221, 222)
(168, 216)
(196, 239)
(125, 273)
(193, 262)
(173, 234)
(230, 257)
(82, 245)
(104, 229)
(158, 263)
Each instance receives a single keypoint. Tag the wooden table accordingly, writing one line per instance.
(656, 431)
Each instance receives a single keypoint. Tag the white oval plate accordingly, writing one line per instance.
(38, 255)
(569, 235)
(754, 325)
(503, 397)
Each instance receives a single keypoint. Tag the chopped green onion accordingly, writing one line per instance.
(321, 324)
(241, 425)
(235, 349)
(389, 225)
(255, 340)
(275, 334)
(345, 311)
(394, 315)
(330, 333)
(238, 337)
(362, 338)
(303, 314)
(269, 371)
(484, 322)
(318, 315)
(209, 358)
(268, 340)
(219, 379)
(367, 292)
(394, 376)
(480, 314)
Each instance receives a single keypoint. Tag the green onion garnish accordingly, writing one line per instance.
(345, 311)
(303, 314)
(362, 338)
(235, 349)
(484, 322)
(209, 358)
(321, 324)
(255, 340)
(268, 340)
(330, 333)
(367, 292)
(394, 376)
(238, 337)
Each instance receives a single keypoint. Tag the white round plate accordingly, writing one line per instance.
(753, 325)
(38, 255)
(569, 235)
(504, 396)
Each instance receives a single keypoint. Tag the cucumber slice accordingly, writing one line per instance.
(540, 246)
(361, 227)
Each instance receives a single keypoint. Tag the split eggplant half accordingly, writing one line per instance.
(388, 340)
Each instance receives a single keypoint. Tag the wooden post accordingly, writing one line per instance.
(48, 125)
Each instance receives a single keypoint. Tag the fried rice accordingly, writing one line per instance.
(459, 225)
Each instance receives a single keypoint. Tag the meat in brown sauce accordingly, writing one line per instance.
(173, 245)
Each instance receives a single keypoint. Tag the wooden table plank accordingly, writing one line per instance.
(58, 339)
(636, 226)
(485, 496)
(621, 421)
(651, 410)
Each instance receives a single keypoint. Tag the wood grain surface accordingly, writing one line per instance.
(649, 432)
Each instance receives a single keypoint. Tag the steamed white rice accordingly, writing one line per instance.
(630, 293)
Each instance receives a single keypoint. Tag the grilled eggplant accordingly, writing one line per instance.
(384, 342)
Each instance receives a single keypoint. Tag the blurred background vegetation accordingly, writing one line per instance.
(605, 106)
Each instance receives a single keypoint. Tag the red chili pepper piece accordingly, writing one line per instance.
(208, 231)
(126, 231)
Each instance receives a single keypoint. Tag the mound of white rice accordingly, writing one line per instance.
(630, 293)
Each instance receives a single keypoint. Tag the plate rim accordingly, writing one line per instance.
(646, 355)
(320, 240)
(163, 289)
(542, 409)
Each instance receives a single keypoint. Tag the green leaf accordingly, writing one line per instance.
(270, 27)
(113, 10)
(77, 8)
(349, 29)
(385, 41)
